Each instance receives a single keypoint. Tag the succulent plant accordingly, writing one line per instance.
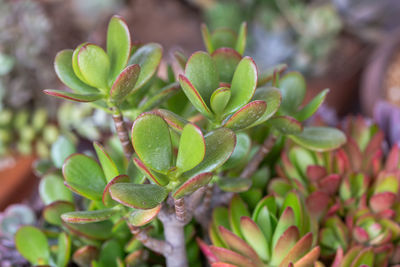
(274, 234)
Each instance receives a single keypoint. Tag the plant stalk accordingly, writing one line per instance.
(265, 148)
(122, 132)
(180, 209)
(155, 245)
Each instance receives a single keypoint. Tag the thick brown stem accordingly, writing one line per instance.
(153, 244)
(265, 148)
(122, 132)
(180, 210)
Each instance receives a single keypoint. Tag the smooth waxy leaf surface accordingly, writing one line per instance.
(84, 176)
(293, 89)
(286, 125)
(143, 217)
(231, 257)
(157, 178)
(152, 142)
(226, 60)
(320, 138)
(124, 83)
(241, 39)
(237, 209)
(74, 96)
(118, 45)
(192, 185)
(75, 65)
(96, 231)
(148, 57)
(88, 216)
(268, 74)
(205, 33)
(223, 37)
(194, 96)
(52, 213)
(65, 72)
(192, 148)
(94, 65)
(174, 121)
(85, 255)
(52, 188)
(138, 196)
(64, 249)
(110, 170)
(243, 84)
(254, 237)
(61, 150)
(219, 99)
(312, 106)
(220, 144)
(32, 244)
(111, 252)
(107, 200)
(202, 74)
(242, 148)
(234, 184)
(272, 97)
(247, 115)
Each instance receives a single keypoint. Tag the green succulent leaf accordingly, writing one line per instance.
(223, 37)
(192, 148)
(107, 164)
(237, 209)
(94, 231)
(242, 149)
(138, 196)
(63, 250)
(243, 86)
(124, 83)
(293, 89)
(309, 259)
(220, 144)
(142, 217)
(88, 216)
(246, 116)
(111, 251)
(219, 100)
(286, 220)
(203, 75)
(299, 250)
(84, 176)
(272, 97)
(267, 75)
(94, 65)
(312, 106)
(226, 60)
(107, 200)
(65, 72)
(85, 256)
(74, 96)
(205, 33)
(254, 237)
(157, 178)
(32, 244)
(231, 257)
(148, 57)
(284, 244)
(192, 185)
(61, 150)
(174, 121)
(164, 94)
(319, 138)
(152, 142)
(75, 65)
(118, 45)
(234, 184)
(241, 39)
(286, 125)
(220, 218)
(52, 188)
(52, 213)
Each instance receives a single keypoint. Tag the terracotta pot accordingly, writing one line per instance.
(17, 179)
(372, 86)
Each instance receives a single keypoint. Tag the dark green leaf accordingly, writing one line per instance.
(157, 178)
(293, 90)
(272, 97)
(110, 251)
(286, 125)
(312, 106)
(192, 185)
(95, 231)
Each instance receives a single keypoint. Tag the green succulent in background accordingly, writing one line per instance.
(274, 234)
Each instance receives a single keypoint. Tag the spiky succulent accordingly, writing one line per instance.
(274, 234)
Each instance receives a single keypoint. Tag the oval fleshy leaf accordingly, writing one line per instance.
(309, 259)
(85, 256)
(286, 125)
(52, 188)
(220, 217)
(319, 138)
(293, 89)
(254, 237)
(192, 185)
(312, 106)
(284, 244)
(272, 97)
(138, 196)
(65, 72)
(229, 256)
(219, 99)
(142, 217)
(84, 176)
(89, 216)
(96, 231)
(223, 37)
(234, 184)
(203, 75)
(157, 178)
(241, 39)
(32, 244)
(237, 209)
(75, 65)
(148, 57)
(242, 149)
(286, 220)
(111, 254)
(243, 86)
(267, 75)
(246, 116)
(174, 121)
(226, 60)
(107, 164)
(205, 33)
(220, 144)
(94, 65)
(63, 250)
(152, 142)
(194, 97)
(124, 83)
(61, 149)
(118, 45)
(52, 213)
(73, 96)
(107, 200)
(298, 250)
(192, 148)
(163, 94)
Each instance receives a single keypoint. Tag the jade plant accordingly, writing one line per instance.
(191, 136)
